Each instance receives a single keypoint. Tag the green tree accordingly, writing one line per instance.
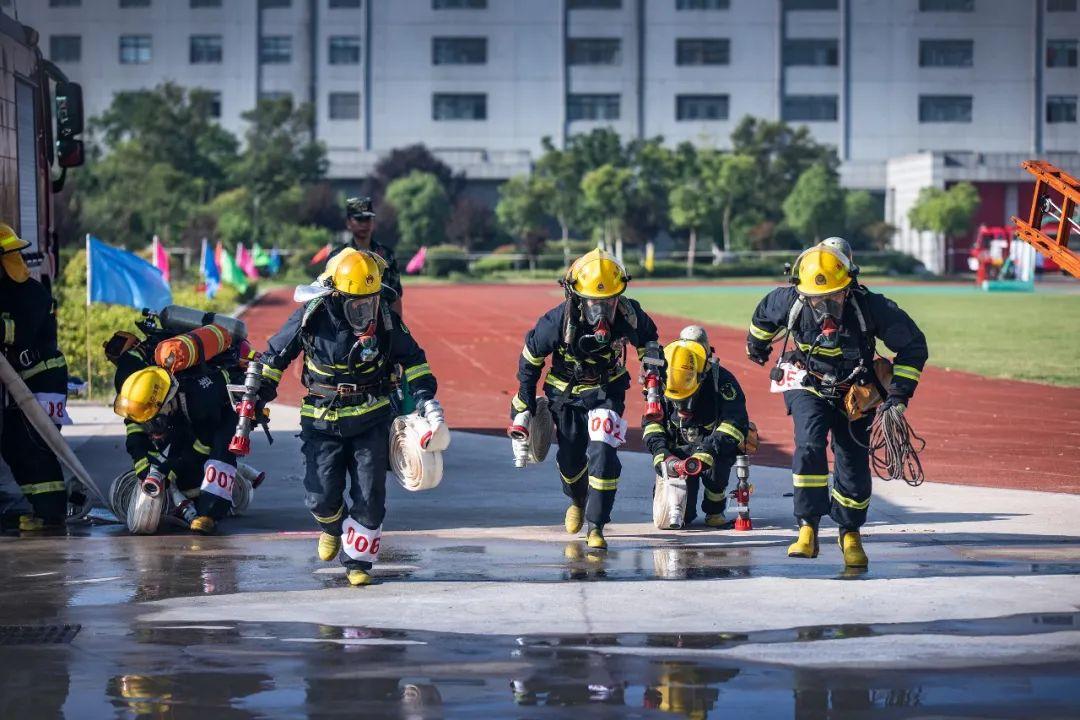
(694, 204)
(422, 207)
(560, 174)
(731, 178)
(521, 212)
(606, 193)
(949, 212)
(816, 204)
(653, 167)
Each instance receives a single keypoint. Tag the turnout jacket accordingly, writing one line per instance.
(28, 335)
(882, 318)
(391, 278)
(346, 394)
(717, 425)
(576, 372)
(203, 424)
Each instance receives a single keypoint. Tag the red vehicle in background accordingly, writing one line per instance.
(992, 247)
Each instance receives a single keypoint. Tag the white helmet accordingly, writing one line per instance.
(696, 333)
(840, 245)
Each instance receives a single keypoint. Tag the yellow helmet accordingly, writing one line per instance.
(821, 270)
(596, 274)
(686, 361)
(11, 258)
(144, 393)
(355, 272)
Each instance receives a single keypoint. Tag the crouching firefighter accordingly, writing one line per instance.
(834, 324)
(192, 416)
(351, 340)
(586, 337)
(703, 428)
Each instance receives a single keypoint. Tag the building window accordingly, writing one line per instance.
(702, 4)
(458, 51)
(134, 3)
(594, 4)
(1061, 108)
(944, 108)
(810, 4)
(592, 107)
(274, 4)
(205, 3)
(205, 50)
(946, 5)
(135, 49)
(1060, 5)
(275, 49)
(701, 107)
(344, 50)
(702, 51)
(65, 3)
(65, 48)
(946, 53)
(1061, 53)
(810, 108)
(344, 106)
(594, 51)
(459, 106)
(816, 52)
(213, 109)
(458, 4)
(344, 4)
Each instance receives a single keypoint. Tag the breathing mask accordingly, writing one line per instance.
(827, 311)
(361, 313)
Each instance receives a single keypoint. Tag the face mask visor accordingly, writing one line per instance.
(596, 310)
(827, 306)
(360, 311)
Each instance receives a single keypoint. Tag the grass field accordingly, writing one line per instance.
(1033, 337)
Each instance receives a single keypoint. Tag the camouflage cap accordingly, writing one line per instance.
(359, 207)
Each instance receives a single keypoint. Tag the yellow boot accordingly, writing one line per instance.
(575, 517)
(329, 546)
(806, 546)
(358, 577)
(851, 545)
(596, 539)
(30, 523)
(716, 520)
(203, 525)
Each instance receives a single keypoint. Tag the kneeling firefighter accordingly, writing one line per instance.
(28, 342)
(192, 415)
(830, 381)
(351, 340)
(704, 425)
(586, 336)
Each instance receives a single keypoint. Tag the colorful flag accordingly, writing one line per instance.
(121, 278)
(321, 255)
(159, 258)
(244, 262)
(417, 263)
(208, 267)
(275, 262)
(230, 271)
(259, 257)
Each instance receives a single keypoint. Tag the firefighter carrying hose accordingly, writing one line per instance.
(587, 337)
(704, 420)
(351, 340)
(28, 341)
(191, 414)
(834, 324)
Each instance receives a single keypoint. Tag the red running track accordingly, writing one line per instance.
(979, 431)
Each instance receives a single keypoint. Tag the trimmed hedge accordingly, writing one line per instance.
(442, 260)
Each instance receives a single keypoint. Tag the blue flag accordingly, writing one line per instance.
(275, 262)
(209, 269)
(122, 278)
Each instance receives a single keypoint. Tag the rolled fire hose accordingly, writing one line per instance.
(45, 427)
(669, 500)
(122, 498)
(541, 431)
(144, 511)
(417, 468)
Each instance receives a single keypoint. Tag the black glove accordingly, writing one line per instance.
(267, 391)
(758, 352)
(894, 401)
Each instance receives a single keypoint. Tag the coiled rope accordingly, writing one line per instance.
(895, 447)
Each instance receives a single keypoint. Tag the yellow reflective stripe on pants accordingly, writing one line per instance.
(848, 502)
(653, 429)
(729, 429)
(519, 404)
(45, 487)
(333, 415)
(9, 329)
(416, 371)
(761, 334)
(332, 518)
(705, 458)
(271, 373)
(603, 483)
(571, 480)
(133, 429)
(907, 372)
(141, 464)
(200, 448)
(52, 364)
(808, 481)
(714, 496)
(530, 358)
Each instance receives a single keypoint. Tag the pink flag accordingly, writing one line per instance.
(160, 259)
(246, 261)
(417, 263)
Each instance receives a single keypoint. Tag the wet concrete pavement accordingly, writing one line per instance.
(971, 607)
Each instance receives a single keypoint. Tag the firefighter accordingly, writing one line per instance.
(192, 415)
(351, 339)
(360, 222)
(834, 324)
(586, 337)
(704, 418)
(28, 341)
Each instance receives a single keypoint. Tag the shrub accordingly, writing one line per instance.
(442, 260)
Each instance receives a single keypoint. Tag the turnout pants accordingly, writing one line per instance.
(715, 481)
(589, 466)
(34, 467)
(357, 463)
(190, 469)
(815, 419)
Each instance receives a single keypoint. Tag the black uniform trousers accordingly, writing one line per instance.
(363, 457)
(589, 468)
(189, 468)
(815, 419)
(34, 467)
(715, 481)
